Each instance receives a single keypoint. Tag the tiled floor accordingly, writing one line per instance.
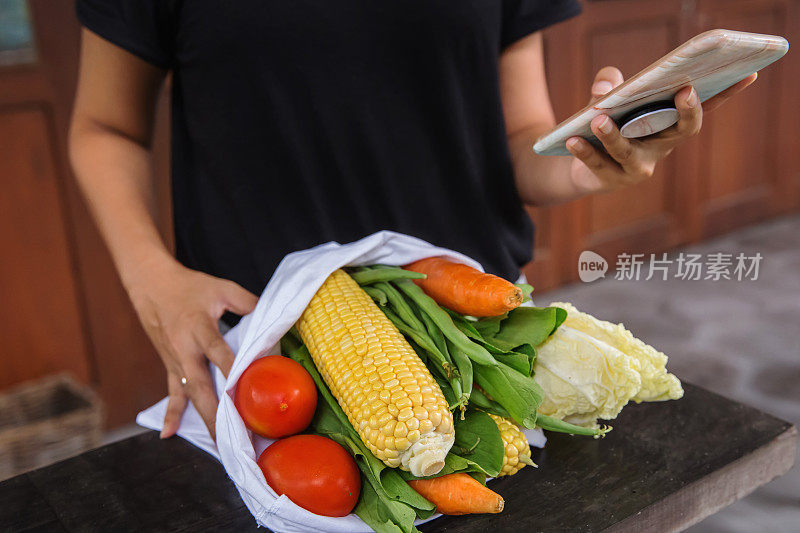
(737, 338)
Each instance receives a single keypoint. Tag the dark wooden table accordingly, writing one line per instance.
(664, 467)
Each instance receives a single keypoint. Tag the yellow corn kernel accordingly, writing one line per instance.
(379, 381)
(517, 452)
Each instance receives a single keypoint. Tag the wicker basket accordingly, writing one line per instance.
(45, 421)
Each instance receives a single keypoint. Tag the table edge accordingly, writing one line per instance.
(704, 497)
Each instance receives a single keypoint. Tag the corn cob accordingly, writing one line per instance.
(382, 385)
(517, 451)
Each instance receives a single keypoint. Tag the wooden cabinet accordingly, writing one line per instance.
(746, 170)
(743, 167)
(40, 319)
(63, 307)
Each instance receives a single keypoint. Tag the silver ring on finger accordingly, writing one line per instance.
(184, 381)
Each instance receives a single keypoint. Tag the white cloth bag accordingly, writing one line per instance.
(287, 294)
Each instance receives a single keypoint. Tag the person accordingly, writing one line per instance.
(297, 123)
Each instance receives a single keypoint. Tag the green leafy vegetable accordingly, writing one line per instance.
(480, 401)
(488, 327)
(527, 325)
(478, 439)
(526, 291)
(520, 395)
(373, 510)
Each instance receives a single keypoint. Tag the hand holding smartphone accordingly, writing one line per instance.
(644, 104)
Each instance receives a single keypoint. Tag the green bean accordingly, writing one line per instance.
(434, 331)
(422, 340)
(376, 294)
(426, 304)
(400, 306)
(464, 366)
(377, 275)
(554, 424)
(449, 395)
(450, 370)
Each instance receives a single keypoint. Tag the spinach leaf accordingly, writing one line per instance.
(518, 361)
(520, 395)
(478, 439)
(373, 511)
(527, 325)
(479, 400)
(526, 291)
(530, 353)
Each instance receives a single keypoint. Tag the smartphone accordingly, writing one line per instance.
(644, 105)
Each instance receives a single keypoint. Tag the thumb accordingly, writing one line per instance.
(239, 300)
(605, 80)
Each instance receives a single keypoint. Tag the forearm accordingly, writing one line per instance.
(541, 180)
(115, 175)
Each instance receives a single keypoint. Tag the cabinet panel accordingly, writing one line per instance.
(613, 46)
(63, 305)
(644, 217)
(739, 169)
(40, 317)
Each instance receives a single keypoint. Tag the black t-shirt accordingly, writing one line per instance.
(297, 122)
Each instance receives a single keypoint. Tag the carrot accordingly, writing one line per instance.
(458, 494)
(464, 289)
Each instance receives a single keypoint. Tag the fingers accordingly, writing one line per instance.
(200, 389)
(617, 146)
(240, 300)
(690, 112)
(597, 162)
(214, 346)
(716, 101)
(606, 79)
(176, 406)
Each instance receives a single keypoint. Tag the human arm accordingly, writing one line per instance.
(545, 180)
(110, 141)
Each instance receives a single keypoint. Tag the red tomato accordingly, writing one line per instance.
(276, 397)
(315, 472)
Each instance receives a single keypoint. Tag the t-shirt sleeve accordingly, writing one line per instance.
(523, 17)
(144, 28)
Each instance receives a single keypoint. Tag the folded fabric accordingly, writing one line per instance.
(287, 294)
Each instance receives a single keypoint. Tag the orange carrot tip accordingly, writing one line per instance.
(456, 494)
(464, 289)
